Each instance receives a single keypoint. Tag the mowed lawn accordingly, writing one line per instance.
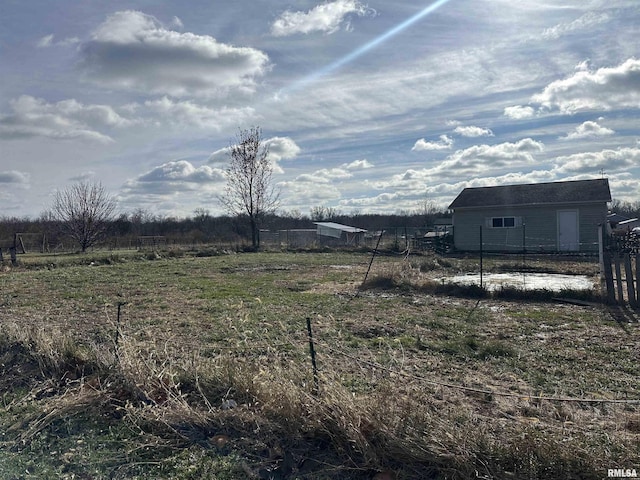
(200, 365)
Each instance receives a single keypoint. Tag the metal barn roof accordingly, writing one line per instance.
(338, 226)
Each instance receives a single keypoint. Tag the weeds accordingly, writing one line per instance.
(215, 380)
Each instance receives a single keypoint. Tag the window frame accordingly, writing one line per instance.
(501, 222)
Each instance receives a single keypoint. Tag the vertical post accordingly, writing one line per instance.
(637, 277)
(117, 333)
(628, 273)
(373, 256)
(601, 254)
(524, 255)
(601, 248)
(313, 358)
(481, 248)
(616, 259)
(608, 278)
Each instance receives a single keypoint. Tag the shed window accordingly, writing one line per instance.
(504, 222)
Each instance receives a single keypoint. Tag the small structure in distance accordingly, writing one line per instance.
(331, 233)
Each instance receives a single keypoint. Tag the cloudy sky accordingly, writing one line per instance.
(369, 106)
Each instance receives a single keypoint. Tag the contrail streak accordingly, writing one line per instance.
(364, 48)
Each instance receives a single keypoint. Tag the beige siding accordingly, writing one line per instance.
(539, 232)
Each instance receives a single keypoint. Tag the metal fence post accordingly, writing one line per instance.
(481, 252)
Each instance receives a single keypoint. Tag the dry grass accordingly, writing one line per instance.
(212, 354)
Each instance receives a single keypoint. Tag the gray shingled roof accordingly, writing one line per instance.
(576, 191)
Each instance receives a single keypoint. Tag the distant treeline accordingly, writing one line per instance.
(628, 209)
(126, 229)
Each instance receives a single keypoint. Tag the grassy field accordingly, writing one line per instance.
(205, 372)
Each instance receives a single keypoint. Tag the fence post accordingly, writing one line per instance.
(313, 358)
(616, 259)
(373, 256)
(117, 333)
(637, 279)
(524, 244)
(481, 256)
(601, 251)
(608, 277)
(628, 273)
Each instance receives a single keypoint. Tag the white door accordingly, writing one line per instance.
(568, 232)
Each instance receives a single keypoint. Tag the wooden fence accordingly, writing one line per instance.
(622, 277)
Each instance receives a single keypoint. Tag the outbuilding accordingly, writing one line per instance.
(331, 233)
(544, 217)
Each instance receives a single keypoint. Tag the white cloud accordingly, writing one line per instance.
(182, 171)
(585, 22)
(133, 51)
(326, 17)
(45, 41)
(479, 159)
(308, 190)
(588, 129)
(68, 42)
(607, 88)
(621, 159)
(67, 119)
(382, 199)
(282, 148)
(338, 173)
(90, 114)
(174, 177)
(473, 132)
(519, 112)
(321, 185)
(358, 165)
(445, 143)
(177, 23)
(220, 156)
(189, 113)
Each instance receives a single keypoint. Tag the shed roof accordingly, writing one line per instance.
(616, 218)
(338, 226)
(576, 191)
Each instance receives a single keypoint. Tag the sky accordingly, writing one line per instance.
(365, 106)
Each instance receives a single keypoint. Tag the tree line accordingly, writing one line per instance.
(125, 230)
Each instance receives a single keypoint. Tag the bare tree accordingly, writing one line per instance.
(249, 191)
(84, 209)
(324, 214)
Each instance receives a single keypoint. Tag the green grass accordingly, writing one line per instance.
(143, 397)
